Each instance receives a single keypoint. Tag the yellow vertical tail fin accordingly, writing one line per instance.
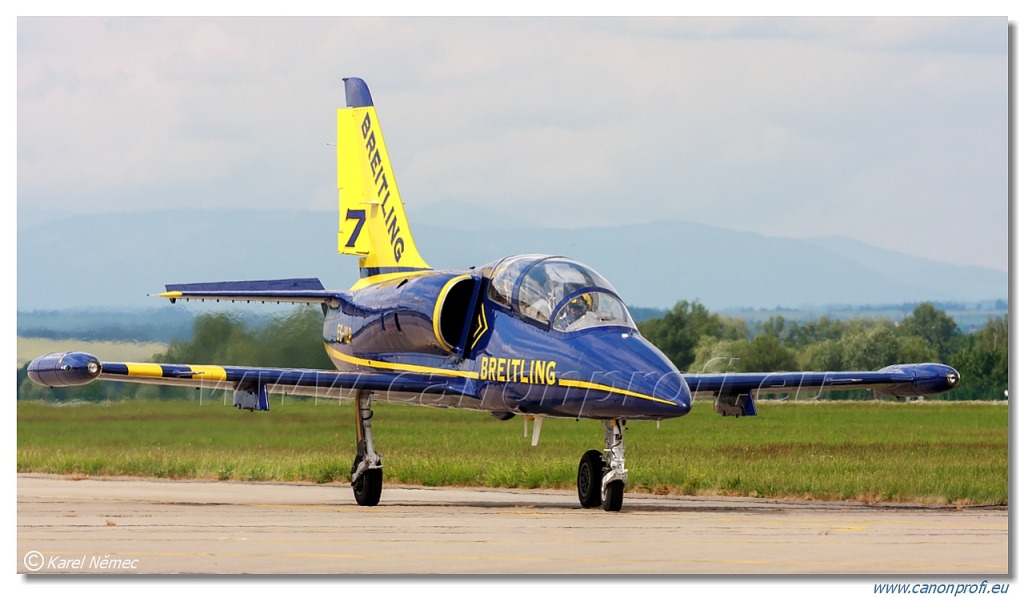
(372, 222)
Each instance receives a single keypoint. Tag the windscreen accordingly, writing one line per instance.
(587, 310)
(537, 287)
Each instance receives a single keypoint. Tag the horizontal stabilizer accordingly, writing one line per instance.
(288, 290)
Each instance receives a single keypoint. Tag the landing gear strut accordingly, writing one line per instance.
(601, 479)
(367, 472)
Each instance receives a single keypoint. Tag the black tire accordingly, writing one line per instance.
(367, 488)
(612, 496)
(588, 479)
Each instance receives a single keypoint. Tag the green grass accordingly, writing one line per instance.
(936, 453)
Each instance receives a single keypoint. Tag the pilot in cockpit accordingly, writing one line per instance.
(541, 286)
(572, 316)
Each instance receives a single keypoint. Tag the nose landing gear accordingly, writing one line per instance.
(601, 480)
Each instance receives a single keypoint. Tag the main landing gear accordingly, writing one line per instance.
(367, 472)
(601, 480)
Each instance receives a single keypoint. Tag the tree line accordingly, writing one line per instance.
(695, 339)
(293, 340)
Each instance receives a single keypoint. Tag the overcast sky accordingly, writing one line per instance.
(893, 131)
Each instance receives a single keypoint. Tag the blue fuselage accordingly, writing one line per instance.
(444, 325)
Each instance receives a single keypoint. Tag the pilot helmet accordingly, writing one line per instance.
(580, 305)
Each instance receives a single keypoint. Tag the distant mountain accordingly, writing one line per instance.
(114, 260)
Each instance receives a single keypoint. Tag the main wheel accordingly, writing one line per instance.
(611, 498)
(588, 479)
(367, 488)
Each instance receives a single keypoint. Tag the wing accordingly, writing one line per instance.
(251, 385)
(734, 393)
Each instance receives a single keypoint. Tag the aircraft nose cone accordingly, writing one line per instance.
(637, 379)
(668, 387)
(657, 394)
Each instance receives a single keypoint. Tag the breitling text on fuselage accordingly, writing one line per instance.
(513, 369)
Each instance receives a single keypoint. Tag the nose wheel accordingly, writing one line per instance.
(588, 479)
(368, 486)
(601, 480)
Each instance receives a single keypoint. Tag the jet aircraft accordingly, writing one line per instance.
(530, 335)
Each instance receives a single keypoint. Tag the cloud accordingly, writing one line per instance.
(783, 126)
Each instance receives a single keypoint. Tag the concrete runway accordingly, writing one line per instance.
(135, 526)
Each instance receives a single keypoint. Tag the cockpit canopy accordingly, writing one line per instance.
(557, 292)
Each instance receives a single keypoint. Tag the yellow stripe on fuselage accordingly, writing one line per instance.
(474, 375)
(400, 367)
(603, 388)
